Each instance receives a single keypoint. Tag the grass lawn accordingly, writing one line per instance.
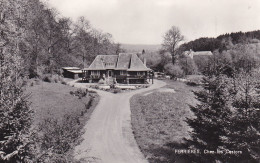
(158, 120)
(54, 100)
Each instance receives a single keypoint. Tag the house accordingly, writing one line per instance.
(72, 72)
(192, 54)
(126, 68)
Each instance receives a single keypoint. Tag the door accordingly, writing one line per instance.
(109, 73)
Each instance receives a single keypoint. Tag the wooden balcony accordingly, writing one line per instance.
(120, 76)
(130, 76)
(136, 77)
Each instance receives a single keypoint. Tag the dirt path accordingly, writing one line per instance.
(108, 135)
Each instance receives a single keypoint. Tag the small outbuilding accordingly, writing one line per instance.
(72, 72)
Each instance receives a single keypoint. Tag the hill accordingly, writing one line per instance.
(140, 47)
(222, 41)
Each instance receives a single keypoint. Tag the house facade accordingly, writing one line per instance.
(125, 68)
(193, 54)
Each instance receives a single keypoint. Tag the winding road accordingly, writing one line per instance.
(108, 134)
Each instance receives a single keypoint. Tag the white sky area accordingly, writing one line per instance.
(145, 21)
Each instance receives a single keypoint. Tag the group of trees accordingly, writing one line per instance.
(179, 65)
(35, 39)
(221, 42)
(50, 41)
(227, 116)
(15, 114)
(173, 62)
(228, 113)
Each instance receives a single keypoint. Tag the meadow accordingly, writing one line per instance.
(60, 113)
(158, 120)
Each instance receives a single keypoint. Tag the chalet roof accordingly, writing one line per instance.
(136, 64)
(123, 61)
(71, 68)
(103, 62)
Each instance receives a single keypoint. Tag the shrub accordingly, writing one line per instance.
(117, 90)
(80, 93)
(56, 138)
(15, 113)
(63, 82)
(89, 104)
(174, 70)
(188, 65)
(101, 81)
(47, 78)
(192, 83)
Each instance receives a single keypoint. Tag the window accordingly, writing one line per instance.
(109, 64)
(95, 72)
(123, 72)
(140, 73)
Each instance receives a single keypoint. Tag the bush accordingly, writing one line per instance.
(63, 82)
(47, 78)
(89, 104)
(117, 90)
(101, 81)
(188, 66)
(174, 70)
(15, 113)
(192, 83)
(80, 93)
(56, 138)
(52, 78)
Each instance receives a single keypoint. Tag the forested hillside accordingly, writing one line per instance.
(222, 41)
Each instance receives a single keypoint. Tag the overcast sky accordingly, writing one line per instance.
(145, 21)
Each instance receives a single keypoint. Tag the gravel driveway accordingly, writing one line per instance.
(108, 136)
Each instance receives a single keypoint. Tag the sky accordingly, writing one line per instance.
(146, 21)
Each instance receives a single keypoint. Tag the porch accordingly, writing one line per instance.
(120, 76)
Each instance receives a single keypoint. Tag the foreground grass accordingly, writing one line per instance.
(54, 100)
(57, 110)
(158, 120)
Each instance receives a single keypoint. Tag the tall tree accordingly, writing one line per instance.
(171, 40)
(15, 114)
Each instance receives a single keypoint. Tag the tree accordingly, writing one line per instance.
(174, 70)
(227, 117)
(188, 65)
(119, 49)
(15, 114)
(243, 132)
(83, 39)
(171, 40)
(212, 116)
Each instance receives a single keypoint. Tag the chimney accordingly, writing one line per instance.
(144, 61)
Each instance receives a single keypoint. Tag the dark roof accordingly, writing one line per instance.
(123, 61)
(136, 64)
